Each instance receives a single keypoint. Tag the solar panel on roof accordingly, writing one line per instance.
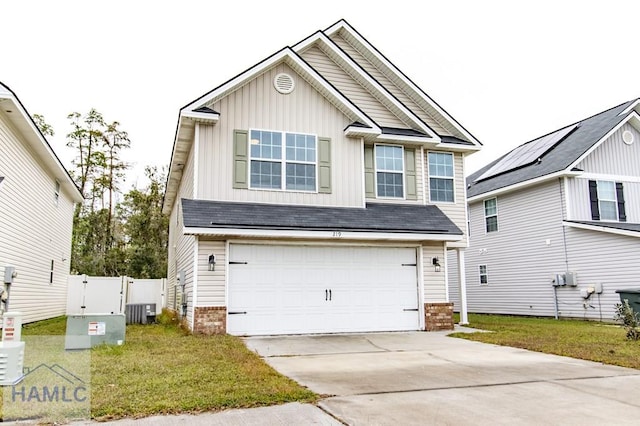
(527, 153)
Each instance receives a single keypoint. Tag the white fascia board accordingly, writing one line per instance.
(602, 229)
(409, 139)
(458, 147)
(39, 144)
(356, 131)
(372, 83)
(319, 235)
(344, 25)
(610, 177)
(201, 117)
(519, 185)
(632, 116)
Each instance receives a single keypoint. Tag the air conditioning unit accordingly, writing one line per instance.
(140, 313)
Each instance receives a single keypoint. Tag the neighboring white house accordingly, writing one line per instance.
(37, 198)
(317, 191)
(561, 209)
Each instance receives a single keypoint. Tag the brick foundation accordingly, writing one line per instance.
(438, 316)
(210, 320)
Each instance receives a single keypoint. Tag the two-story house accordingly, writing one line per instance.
(554, 224)
(37, 198)
(317, 191)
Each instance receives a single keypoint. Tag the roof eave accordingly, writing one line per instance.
(36, 140)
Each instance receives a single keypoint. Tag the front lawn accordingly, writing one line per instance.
(160, 369)
(588, 340)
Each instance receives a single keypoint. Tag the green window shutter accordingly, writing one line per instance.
(240, 159)
(324, 165)
(410, 174)
(369, 173)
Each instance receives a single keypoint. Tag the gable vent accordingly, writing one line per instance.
(627, 137)
(284, 83)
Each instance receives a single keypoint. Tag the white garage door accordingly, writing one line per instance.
(315, 289)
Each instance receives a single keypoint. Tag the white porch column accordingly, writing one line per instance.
(462, 287)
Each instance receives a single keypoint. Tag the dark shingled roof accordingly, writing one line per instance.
(623, 226)
(205, 110)
(561, 156)
(401, 132)
(374, 218)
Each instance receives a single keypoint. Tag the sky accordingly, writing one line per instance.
(508, 71)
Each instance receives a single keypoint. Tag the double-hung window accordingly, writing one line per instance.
(607, 200)
(390, 171)
(484, 276)
(441, 177)
(491, 215)
(281, 160)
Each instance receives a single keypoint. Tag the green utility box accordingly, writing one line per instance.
(87, 331)
(632, 295)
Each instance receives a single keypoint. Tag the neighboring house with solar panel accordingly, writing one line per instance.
(317, 191)
(555, 223)
(37, 198)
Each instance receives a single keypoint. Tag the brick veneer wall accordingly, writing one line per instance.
(210, 320)
(438, 316)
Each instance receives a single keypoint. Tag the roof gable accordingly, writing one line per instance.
(357, 73)
(17, 114)
(400, 80)
(562, 158)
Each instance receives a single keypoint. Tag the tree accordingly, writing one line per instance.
(44, 127)
(146, 229)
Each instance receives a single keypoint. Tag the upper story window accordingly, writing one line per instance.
(56, 193)
(389, 171)
(491, 215)
(281, 160)
(441, 177)
(607, 201)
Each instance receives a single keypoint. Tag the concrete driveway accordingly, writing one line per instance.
(429, 378)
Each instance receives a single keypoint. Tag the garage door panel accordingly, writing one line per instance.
(284, 289)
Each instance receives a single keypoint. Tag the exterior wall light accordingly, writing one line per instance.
(436, 264)
(212, 262)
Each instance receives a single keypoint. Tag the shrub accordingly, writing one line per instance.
(629, 319)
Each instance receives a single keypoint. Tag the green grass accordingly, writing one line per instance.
(587, 340)
(161, 369)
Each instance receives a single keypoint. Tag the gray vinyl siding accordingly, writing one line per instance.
(455, 211)
(580, 207)
(351, 88)
(615, 157)
(520, 263)
(599, 257)
(389, 85)
(181, 247)
(615, 161)
(34, 229)
(211, 284)
(258, 106)
(434, 282)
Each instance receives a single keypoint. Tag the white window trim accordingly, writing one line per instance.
(614, 201)
(453, 178)
(283, 161)
(484, 208)
(480, 274)
(376, 170)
